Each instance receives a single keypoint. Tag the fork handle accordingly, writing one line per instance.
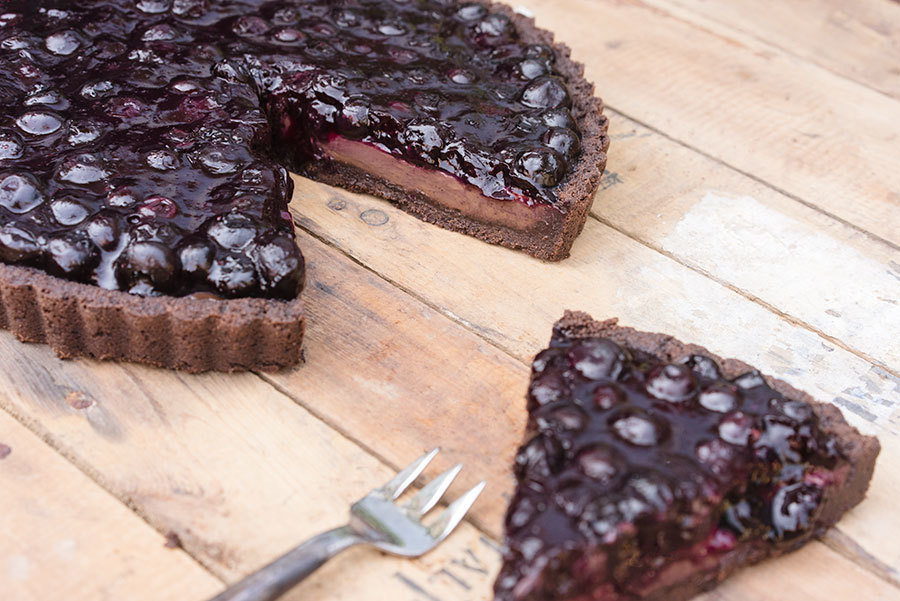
(275, 579)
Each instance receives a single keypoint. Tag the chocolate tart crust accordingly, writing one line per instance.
(550, 241)
(189, 334)
(860, 450)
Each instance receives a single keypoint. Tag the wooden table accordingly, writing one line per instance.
(752, 204)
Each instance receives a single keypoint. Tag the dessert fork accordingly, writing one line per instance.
(375, 520)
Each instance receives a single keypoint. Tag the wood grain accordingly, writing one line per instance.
(825, 140)
(64, 537)
(859, 39)
(237, 470)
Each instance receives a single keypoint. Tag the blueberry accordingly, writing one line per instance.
(547, 389)
(103, 230)
(599, 463)
(157, 207)
(607, 396)
(749, 380)
(564, 141)
(196, 258)
(18, 244)
(559, 117)
(149, 262)
(20, 193)
(281, 266)
(471, 12)
(571, 419)
(62, 43)
(232, 231)
(39, 123)
(596, 358)
(11, 145)
(423, 140)
(542, 166)
(233, 275)
(541, 52)
(639, 430)
(538, 458)
(546, 92)
(71, 256)
(544, 359)
(794, 509)
(250, 26)
(670, 382)
(703, 366)
(736, 428)
(720, 398)
(531, 68)
(68, 211)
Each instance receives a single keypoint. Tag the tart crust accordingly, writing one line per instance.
(190, 334)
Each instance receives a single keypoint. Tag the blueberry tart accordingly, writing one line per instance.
(145, 148)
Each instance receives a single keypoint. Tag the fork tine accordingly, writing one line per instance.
(401, 481)
(454, 514)
(428, 497)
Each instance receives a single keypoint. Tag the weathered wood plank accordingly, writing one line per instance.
(609, 275)
(236, 469)
(750, 237)
(859, 39)
(828, 141)
(64, 537)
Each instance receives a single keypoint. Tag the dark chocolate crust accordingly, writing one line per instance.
(551, 241)
(860, 451)
(190, 334)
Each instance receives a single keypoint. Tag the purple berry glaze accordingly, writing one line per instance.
(142, 143)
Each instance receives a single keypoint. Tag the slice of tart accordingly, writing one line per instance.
(144, 148)
(653, 469)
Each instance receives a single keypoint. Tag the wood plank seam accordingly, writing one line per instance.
(34, 427)
(870, 235)
(771, 44)
(839, 541)
(754, 298)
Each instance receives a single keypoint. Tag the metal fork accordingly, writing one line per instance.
(374, 520)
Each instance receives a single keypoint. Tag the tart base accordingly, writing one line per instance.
(188, 334)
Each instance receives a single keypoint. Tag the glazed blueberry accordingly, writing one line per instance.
(146, 262)
(673, 383)
(543, 166)
(546, 92)
(71, 256)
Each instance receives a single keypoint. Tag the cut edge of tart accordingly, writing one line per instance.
(184, 333)
(554, 239)
(638, 482)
